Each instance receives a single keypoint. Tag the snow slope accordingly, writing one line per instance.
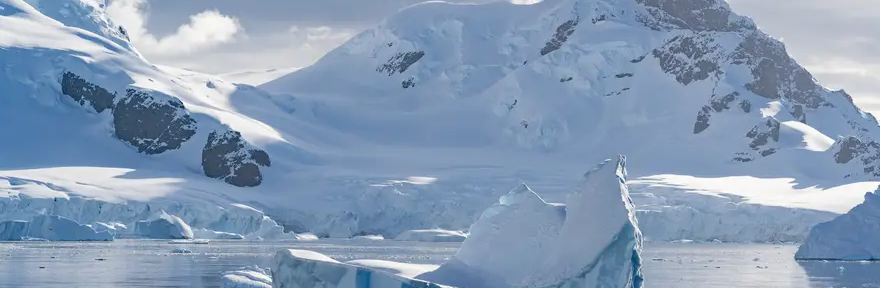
(428, 118)
(851, 236)
(256, 77)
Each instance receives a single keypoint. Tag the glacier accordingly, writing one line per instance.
(852, 236)
(484, 96)
(522, 241)
(51, 228)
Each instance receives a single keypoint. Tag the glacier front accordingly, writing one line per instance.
(521, 241)
(853, 236)
(52, 228)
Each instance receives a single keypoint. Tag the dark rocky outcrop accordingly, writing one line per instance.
(560, 37)
(866, 151)
(798, 113)
(745, 105)
(776, 74)
(408, 83)
(689, 58)
(400, 62)
(716, 105)
(696, 15)
(152, 125)
(229, 157)
(761, 135)
(86, 93)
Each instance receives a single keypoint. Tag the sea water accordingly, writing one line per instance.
(147, 263)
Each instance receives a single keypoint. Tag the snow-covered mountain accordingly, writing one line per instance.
(589, 78)
(425, 120)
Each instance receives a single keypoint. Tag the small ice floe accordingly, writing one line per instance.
(190, 241)
(181, 251)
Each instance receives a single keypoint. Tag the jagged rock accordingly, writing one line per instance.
(561, 36)
(229, 157)
(717, 105)
(408, 83)
(152, 125)
(776, 74)
(761, 135)
(850, 148)
(697, 15)
(86, 93)
(798, 113)
(689, 58)
(702, 120)
(400, 62)
(745, 105)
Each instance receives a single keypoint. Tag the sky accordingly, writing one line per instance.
(838, 41)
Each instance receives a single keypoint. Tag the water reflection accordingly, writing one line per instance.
(842, 274)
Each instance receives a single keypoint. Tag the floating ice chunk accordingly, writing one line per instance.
(247, 277)
(270, 230)
(368, 237)
(57, 228)
(851, 236)
(431, 235)
(190, 241)
(165, 227)
(181, 251)
(308, 269)
(211, 234)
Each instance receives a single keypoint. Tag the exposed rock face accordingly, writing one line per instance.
(717, 105)
(151, 125)
(400, 62)
(229, 157)
(689, 58)
(562, 33)
(86, 93)
(867, 152)
(776, 74)
(697, 15)
(761, 135)
(798, 113)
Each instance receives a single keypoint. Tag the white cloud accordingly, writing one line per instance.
(205, 30)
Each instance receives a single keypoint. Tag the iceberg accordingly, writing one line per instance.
(247, 277)
(854, 236)
(165, 227)
(431, 235)
(211, 234)
(521, 241)
(306, 269)
(51, 228)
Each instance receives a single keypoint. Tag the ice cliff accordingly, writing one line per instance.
(522, 241)
(851, 236)
(52, 228)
